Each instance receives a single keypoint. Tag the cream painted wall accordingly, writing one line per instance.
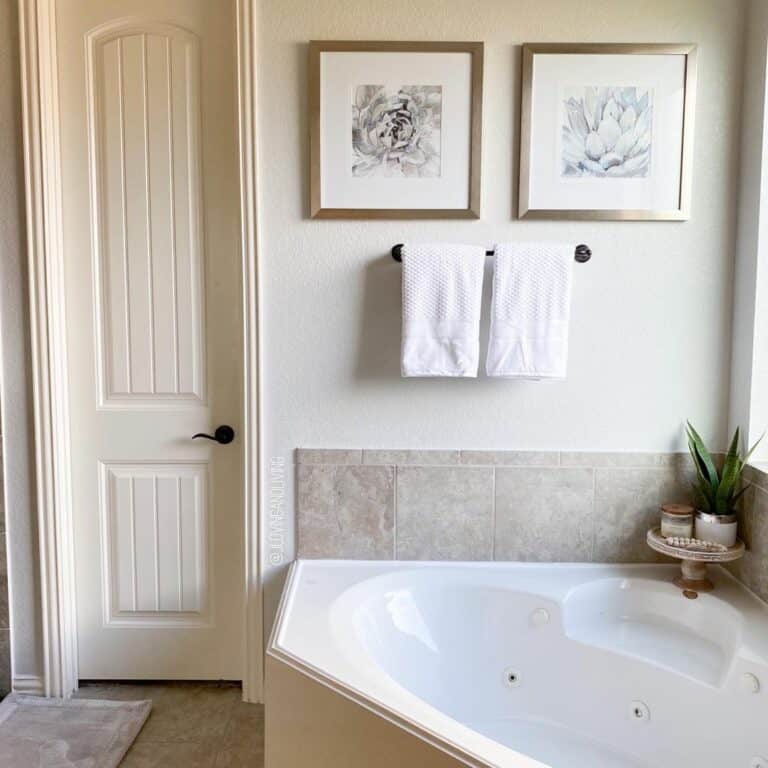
(651, 321)
(749, 366)
(651, 315)
(15, 376)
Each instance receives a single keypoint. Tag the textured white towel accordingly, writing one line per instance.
(530, 310)
(442, 293)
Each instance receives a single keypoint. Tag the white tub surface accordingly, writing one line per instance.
(530, 665)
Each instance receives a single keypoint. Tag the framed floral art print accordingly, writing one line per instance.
(607, 131)
(395, 129)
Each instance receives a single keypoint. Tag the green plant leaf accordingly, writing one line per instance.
(737, 496)
(731, 475)
(705, 494)
(700, 500)
(708, 488)
(704, 455)
(716, 492)
(707, 475)
(752, 449)
(698, 463)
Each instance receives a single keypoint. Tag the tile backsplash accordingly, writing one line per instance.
(5, 618)
(484, 505)
(547, 506)
(752, 569)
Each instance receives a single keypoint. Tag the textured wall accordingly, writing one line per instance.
(749, 364)
(650, 340)
(651, 319)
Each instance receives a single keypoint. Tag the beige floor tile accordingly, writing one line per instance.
(192, 725)
(93, 691)
(121, 691)
(183, 713)
(171, 755)
(245, 729)
(239, 758)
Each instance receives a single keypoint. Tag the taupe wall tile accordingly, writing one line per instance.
(511, 505)
(619, 459)
(444, 513)
(346, 512)
(511, 458)
(5, 618)
(2, 493)
(5, 662)
(416, 504)
(757, 475)
(752, 569)
(400, 457)
(328, 456)
(627, 504)
(544, 514)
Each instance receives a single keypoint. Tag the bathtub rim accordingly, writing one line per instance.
(437, 740)
(276, 652)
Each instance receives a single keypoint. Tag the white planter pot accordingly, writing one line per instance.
(719, 529)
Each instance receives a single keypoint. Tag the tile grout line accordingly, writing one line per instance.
(556, 467)
(493, 515)
(594, 515)
(396, 472)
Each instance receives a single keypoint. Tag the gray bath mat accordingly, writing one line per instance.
(67, 733)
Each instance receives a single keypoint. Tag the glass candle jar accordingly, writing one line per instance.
(677, 520)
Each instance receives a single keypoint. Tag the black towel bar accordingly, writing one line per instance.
(582, 254)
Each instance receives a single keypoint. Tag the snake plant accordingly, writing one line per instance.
(717, 492)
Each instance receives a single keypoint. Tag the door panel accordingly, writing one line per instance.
(154, 331)
(156, 520)
(146, 168)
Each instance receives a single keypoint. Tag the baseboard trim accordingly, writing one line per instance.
(32, 685)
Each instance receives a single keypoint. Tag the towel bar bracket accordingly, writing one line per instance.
(582, 254)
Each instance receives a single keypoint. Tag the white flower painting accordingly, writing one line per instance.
(607, 132)
(396, 132)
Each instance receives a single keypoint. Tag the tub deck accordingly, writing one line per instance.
(515, 665)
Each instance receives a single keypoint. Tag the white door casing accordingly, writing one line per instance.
(165, 587)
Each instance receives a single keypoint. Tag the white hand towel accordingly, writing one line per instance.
(442, 293)
(530, 310)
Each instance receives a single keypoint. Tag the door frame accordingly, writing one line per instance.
(45, 253)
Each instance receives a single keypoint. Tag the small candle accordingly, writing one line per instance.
(677, 520)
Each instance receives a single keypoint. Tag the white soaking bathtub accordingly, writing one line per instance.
(514, 665)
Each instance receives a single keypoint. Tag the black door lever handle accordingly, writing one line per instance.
(223, 435)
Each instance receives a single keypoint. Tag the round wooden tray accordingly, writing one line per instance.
(659, 543)
(693, 578)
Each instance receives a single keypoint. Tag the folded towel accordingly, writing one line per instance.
(442, 293)
(530, 310)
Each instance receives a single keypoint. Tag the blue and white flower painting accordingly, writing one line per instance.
(607, 132)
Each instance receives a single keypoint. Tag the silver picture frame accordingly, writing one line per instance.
(681, 212)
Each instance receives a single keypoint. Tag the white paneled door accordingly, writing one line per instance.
(151, 229)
